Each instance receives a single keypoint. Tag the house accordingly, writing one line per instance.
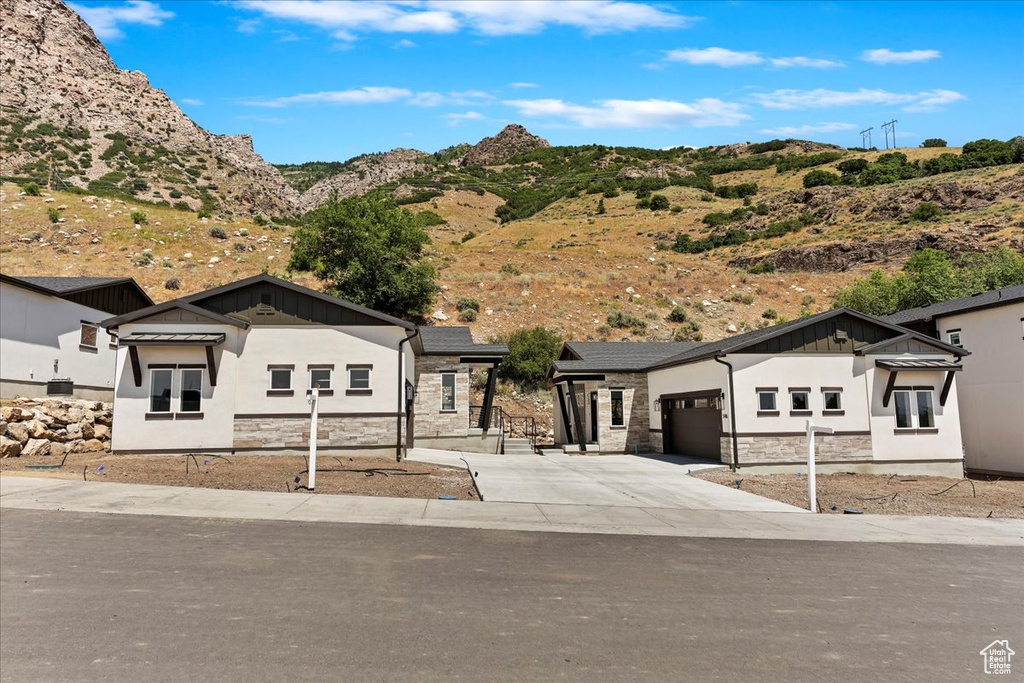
(50, 338)
(991, 386)
(888, 393)
(229, 370)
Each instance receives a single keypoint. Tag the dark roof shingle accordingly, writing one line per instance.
(620, 356)
(455, 341)
(66, 285)
(923, 314)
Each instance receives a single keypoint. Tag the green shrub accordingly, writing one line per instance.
(643, 192)
(818, 178)
(763, 268)
(600, 207)
(427, 219)
(218, 232)
(203, 213)
(741, 298)
(926, 211)
(659, 202)
(690, 331)
(807, 300)
(260, 220)
(741, 191)
(139, 218)
(530, 355)
(644, 203)
(794, 162)
(621, 320)
(677, 315)
(467, 316)
(53, 214)
(468, 236)
(467, 303)
(611, 192)
(30, 189)
(770, 314)
(852, 166)
(509, 269)
(934, 142)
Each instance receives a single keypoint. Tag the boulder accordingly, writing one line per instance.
(10, 413)
(104, 418)
(38, 430)
(36, 447)
(3, 427)
(9, 448)
(57, 449)
(74, 431)
(87, 430)
(74, 446)
(40, 416)
(101, 432)
(17, 431)
(93, 445)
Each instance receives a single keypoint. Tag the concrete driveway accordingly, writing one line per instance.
(605, 480)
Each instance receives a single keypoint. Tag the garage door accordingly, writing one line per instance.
(693, 425)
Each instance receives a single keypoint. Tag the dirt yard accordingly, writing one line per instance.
(884, 495)
(358, 475)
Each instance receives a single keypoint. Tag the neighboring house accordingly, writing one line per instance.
(889, 394)
(50, 330)
(233, 365)
(991, 387)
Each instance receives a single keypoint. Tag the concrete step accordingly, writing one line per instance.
(518, 447)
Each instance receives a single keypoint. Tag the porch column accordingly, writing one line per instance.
(576, 417)
(485, 414)
(565, 411)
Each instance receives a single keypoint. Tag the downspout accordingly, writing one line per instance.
(732, 414)
(401, 393)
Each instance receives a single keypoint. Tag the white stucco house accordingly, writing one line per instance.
(229, 370)
(50, 336)
(991, 387)
(888, 393)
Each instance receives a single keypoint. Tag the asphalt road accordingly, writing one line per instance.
(90, 597)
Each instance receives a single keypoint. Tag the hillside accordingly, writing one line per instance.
(72, 119)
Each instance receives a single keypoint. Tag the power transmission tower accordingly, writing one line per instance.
(890, 126)
(865, 138)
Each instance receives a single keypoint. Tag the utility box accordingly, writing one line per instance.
(60, 387)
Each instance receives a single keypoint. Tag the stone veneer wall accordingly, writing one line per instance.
(657, 442)
(637, 431)
(756, 450)
(427, 416)
(268, 433)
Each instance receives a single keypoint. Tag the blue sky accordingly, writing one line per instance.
(313, 80)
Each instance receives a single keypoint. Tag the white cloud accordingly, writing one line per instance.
(427, 99)
(885, 56)
(403, 44)
(249, 26)
(106, 20)
(520, 84)
(809, 129)
(456, 119)
(803, 62)
(714, 56)
(634, 113)
(367, 95)
(346, 18)
(820, 98)
(191, 101)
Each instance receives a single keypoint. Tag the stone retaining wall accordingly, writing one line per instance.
(54, 427)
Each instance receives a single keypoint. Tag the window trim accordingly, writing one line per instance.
(793, 410)
(774, 393)
(324, 391)
(455, 392)
(912, 393)
(359, 391)
(611, 401)
(825, 410)
(95, 336)
(278, 391)
(959, 337)
(181, 391)
(170, 392)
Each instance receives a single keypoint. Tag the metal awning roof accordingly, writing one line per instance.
(918, 364)
(172, 339)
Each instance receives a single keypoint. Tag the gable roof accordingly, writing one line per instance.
(617, 356)
(66, 287)
(193, 302)
(754, 337)
(923, 314)
(454, 341)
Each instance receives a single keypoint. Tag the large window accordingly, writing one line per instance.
(191, 400)
(160, 390)
(914, 409)
(618, 408)
(447, 392)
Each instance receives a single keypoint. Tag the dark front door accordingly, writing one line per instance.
(694, 425)
(593, 417)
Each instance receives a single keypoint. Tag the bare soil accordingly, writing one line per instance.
(355, 475)
(887, 495)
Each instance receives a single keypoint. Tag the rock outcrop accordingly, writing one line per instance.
(366, 173)
(512, 140)
(36, 427)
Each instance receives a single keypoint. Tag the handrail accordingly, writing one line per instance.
(511, 426)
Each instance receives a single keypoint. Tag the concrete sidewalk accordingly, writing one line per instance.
(35, 493)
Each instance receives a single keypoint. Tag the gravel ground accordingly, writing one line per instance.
(884, 495)
(357, 475)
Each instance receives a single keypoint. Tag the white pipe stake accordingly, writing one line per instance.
(314, 395)
(812, 493)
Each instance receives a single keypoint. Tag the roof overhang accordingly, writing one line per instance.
(902, 365)
(172, 339)
(577, 377)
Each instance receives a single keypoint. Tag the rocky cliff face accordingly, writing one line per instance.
(365, 174)
(512, 140)
(71, 117)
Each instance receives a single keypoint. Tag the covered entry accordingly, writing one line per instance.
(692, 423)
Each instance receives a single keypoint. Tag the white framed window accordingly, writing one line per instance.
(87, 336)
(280, 378)
(359, 377)
(320, 376)
(832, 400)
(160, 390)
(800, 400)
(914, 408)
(190, 389)
(618, 408)
(953, 338)
(448, 392)
(766, 400)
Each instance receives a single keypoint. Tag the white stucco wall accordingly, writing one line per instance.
(991, 386)
(36, 330)
(705, 375)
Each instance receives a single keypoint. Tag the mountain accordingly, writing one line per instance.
(71, 118)
(512, 140)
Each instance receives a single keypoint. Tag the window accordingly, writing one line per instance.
(953, 337)
(800, 400)
(618, 409)
(280, 379)
(447, 391)
(833, 399)
(191, 400)
(925, 410)
(903, 416)
(88, 335)
(160, 391)
(359, 377)
(320, 377)
(766, 401)
(914, 409)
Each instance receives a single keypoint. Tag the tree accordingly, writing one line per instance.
(369, 251)
(819, 177)
(852, 166)
(600, 207)
(659, 202)
(530, 355)
(934, 142)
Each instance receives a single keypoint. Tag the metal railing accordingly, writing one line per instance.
(510, 426)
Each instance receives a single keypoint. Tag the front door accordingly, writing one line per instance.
(593, 417)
